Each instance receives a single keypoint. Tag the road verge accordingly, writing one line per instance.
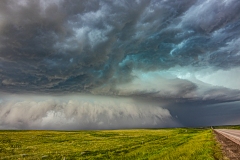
(230, 146)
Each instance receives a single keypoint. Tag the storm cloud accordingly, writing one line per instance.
(82, 113)
(167, 55)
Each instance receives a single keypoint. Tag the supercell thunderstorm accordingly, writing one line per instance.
(99, 64)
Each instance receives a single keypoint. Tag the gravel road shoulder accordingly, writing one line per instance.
(229, 148)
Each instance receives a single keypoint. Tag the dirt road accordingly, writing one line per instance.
(230, 141)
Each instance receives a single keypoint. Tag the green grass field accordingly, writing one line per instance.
(227, 127)
(164, 144)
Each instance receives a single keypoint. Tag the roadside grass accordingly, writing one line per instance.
(227, 127)
(164, 144)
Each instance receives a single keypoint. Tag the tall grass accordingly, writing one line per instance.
(164, 144)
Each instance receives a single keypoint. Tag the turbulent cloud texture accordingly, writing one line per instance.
(169, 54)
(82, 113)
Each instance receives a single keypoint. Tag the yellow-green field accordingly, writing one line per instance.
(174, 144)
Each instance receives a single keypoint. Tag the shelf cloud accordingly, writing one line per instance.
(82, 113)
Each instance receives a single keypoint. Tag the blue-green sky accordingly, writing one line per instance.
(103, 64)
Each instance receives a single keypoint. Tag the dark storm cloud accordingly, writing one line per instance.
(77, 46)
(181, 53)
(201, 114)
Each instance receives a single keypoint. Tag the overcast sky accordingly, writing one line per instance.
(109, 64)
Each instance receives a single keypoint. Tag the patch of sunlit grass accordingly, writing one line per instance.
(109, 144)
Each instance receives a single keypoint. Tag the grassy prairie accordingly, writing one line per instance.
(164, 144)
(227, 127)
